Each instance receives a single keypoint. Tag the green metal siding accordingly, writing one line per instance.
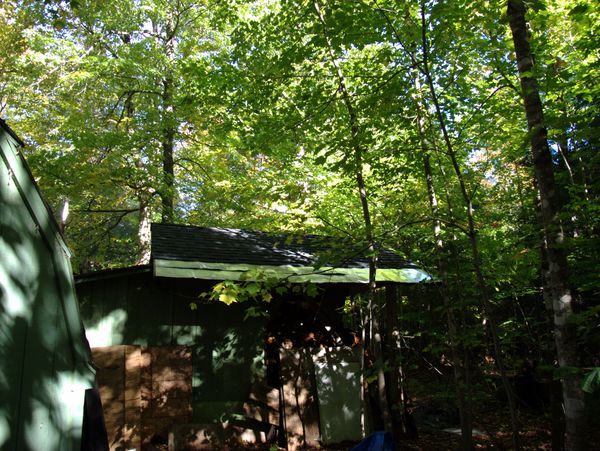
(44, 369)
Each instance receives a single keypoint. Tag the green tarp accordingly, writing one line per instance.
(294, 274)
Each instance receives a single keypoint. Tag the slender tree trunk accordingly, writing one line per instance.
(472, 235)
(402, 420)
(423, 66)
(167, 192)
(363, 367)
(143, 195)
(168, 136)
(556, 398)
(562, 146)
(557, 273)
(145, 221)
(360, 184)
(459, 367)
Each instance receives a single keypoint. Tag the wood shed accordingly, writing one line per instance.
(187, 372)
(46, 379)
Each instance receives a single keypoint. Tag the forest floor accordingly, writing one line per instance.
(491, 432)
(434, 415)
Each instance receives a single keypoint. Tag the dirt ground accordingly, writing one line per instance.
(494, 434)
(491, 422)
(491, 432)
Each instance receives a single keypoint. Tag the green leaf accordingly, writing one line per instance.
(227, 298)
(311, 290)
(255, 312)
(252, 289)
(564, 371)
(580, 9)
(591, 381)
(370, 379)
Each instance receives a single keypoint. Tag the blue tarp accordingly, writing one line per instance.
(377, 441)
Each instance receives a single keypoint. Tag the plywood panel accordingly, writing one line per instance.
(263, 404)
(110, 376)
(166, 390)
(337, 373)
(144, 391)
(300, 401)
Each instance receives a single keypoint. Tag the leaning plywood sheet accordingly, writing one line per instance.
(299, 398)
(337, 374)
(144, 392)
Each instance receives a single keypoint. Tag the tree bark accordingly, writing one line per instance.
(556, 276)
(144, 221)
(423, 66)
(402, 420)
(167, 192)
(556, 398)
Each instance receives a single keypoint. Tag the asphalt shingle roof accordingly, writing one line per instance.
(233, 246)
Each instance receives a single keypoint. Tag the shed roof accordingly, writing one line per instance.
(233, 254)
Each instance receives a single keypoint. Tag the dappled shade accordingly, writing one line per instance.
(44, 360)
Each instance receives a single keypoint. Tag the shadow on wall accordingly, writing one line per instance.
(41, 387)
(144, 391)
(147, 390)
(227, 351)
(179, 360)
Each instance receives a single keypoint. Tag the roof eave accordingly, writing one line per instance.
(293, 274)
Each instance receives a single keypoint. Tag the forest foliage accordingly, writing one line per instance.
(246, 100)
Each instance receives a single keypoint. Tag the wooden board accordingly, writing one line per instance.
(144, 391)
(300, 400)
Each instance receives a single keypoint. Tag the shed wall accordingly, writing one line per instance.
(43, 354)
(138, 309)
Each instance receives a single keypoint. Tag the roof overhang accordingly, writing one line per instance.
(294, 274)
(104, 274)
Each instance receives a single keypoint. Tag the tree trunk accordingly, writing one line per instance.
(458, 364)
(145, 221)
(402, 420)
(556, 398)
(557, 274)
(360, 184)
(167, 192)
